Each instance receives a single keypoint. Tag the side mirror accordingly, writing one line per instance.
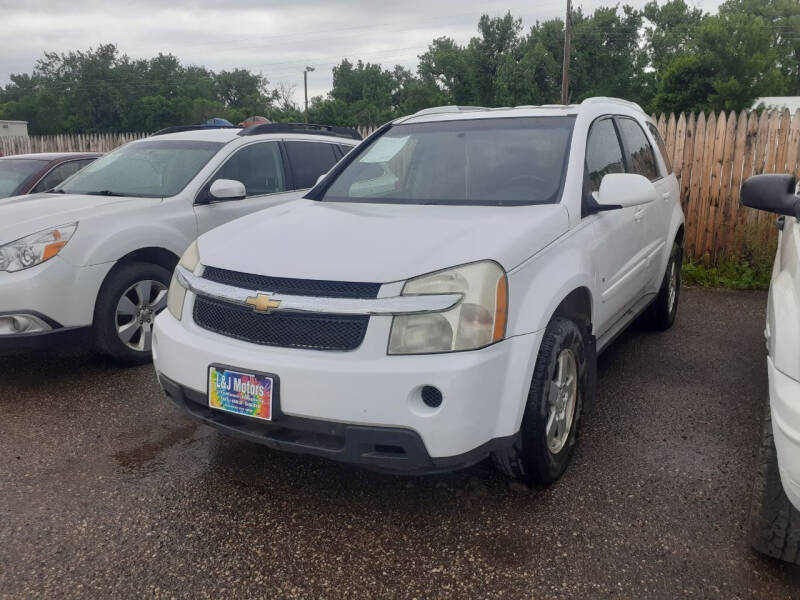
(773, 193)
(621, 190)
(227, 189)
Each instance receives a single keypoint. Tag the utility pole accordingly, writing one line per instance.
(305, 87)
(565, 65)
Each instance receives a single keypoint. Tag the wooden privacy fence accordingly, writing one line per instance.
(78, 142)
(711, 155)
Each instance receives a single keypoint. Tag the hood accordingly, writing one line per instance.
(24, 215)
(379, 243)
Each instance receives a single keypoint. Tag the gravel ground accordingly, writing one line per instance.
(108, 491)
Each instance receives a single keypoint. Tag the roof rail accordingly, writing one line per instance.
(180, 128)
(601, 99)
(449, 108)
(311, 129)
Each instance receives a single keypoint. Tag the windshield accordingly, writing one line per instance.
(150, 169)
(14, 171)
(479, 161)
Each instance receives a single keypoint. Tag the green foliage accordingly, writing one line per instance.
(668, 57)
(731, 273)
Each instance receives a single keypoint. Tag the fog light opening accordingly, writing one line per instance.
(431, 396)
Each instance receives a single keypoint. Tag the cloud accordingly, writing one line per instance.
(275, 37)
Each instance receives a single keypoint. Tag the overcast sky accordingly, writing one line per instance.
(275, 37)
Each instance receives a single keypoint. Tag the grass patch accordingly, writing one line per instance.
(736, 274)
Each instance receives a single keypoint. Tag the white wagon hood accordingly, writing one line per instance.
(307, 239)
(30, 214)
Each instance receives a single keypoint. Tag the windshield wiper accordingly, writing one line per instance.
(104, 193)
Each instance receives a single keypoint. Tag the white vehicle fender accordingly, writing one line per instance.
(783, 316)
(540, 285)
(112, 245)
(677, 220)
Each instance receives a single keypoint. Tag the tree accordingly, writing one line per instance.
(669, 31)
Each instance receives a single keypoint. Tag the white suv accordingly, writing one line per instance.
(439, 296)
(775, 515)
(94, 257)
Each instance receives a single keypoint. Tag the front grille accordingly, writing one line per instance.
(287, 330)
(298, 287)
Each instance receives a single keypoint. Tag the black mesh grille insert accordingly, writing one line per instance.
(288, 330)
(299, 287)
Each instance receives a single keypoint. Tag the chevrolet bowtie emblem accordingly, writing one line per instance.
(262, 303)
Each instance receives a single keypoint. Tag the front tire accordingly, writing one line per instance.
(546, 440)
(774, 521)
(129, 299)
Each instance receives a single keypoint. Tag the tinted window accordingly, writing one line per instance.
(662, 147)
(344, 149)
(309, 160)
(488, 161)
(603, 153)
(14, 172)
(259, 167)
(150, 168)
(59, 174)
(638, 151)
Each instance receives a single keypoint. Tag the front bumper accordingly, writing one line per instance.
(484, 391)
(784, 395)
(390, 449)
(58, 292)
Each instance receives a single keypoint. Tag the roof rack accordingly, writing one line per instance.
(311, 129)
(612, 100)
(449, 108)
(180, 128)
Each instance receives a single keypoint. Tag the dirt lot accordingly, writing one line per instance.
(107, 491)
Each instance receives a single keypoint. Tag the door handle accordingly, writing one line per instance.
(638, 215)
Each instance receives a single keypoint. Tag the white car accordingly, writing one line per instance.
(775, 515)
(93, 258)
(438, 297)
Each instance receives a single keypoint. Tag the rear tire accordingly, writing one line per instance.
(662, 312)
(544, 445)
(774, 521)
(130, 297)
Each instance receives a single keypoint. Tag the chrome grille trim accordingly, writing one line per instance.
(395, 305)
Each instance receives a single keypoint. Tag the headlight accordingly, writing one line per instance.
(477, 321)
(177, 293)
(36, 248)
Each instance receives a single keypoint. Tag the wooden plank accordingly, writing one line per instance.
(669, 140)
(793, 144)
(661, 124)
(783, 137)
(705, 166)
(722, 223)
(686, 162)
(733, 243)
(712, 168)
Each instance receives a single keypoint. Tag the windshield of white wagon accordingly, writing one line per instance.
(495, 161)
(151, 169)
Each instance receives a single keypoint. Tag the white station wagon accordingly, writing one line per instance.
(438, 297)
(93, 258)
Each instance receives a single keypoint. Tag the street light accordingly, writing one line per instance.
(305, 88)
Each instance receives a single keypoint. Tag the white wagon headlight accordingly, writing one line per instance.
(177, 293)
(477, 321)
(36, 248)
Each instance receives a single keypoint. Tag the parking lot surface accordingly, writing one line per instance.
(107, 491)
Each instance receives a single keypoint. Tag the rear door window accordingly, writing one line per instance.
(662, 147)
(309, 160)
(638, 151)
